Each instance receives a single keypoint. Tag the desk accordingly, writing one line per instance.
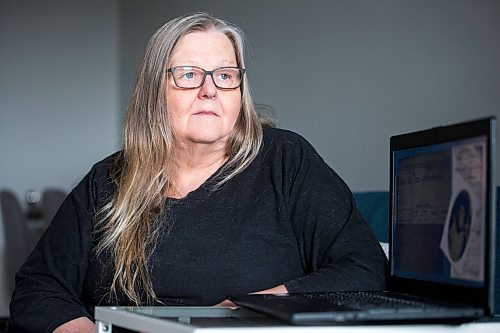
(220, 319)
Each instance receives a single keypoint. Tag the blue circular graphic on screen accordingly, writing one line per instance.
(459, 225)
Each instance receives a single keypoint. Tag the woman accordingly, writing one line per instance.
(203, 201)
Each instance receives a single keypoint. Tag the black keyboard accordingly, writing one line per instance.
(369, 300)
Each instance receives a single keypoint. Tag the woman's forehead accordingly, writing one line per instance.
(201, 47)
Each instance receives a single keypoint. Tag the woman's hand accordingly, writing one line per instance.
(78, 325)
(281, 289)
(227, 303)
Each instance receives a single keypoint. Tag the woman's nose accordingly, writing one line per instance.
(208, 89)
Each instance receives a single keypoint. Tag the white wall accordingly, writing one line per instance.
(58, 94)
(348, 74)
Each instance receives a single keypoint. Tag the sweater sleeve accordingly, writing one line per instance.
(338, 250)
(49, 285)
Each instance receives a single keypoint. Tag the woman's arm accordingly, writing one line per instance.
(337, 248)
(78, 325)
(49, 286)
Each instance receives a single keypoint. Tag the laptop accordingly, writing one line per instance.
(441, 238)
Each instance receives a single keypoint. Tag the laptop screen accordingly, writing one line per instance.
(440, 212)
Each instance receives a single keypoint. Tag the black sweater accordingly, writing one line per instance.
(286, 219)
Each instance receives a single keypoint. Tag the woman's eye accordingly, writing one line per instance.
(225, 76)
(189, 75)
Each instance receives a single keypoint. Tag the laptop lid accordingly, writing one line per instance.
(442, 212)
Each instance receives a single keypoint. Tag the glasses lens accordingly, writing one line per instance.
(227, 77)
(188, 77)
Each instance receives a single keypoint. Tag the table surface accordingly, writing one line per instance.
(222, 319)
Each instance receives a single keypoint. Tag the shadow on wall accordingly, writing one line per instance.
(24, 227)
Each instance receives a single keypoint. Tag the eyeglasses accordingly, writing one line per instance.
(192, 77)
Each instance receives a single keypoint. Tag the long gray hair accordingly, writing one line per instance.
(129, 225)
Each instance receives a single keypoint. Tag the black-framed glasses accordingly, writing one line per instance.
(191, 77)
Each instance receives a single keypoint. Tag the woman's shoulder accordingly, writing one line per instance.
(95, 189)
(105, 167)
(101, 174)
(110, 159)
(282, 136)
(287, 140)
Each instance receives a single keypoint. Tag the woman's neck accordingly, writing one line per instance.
(193, 167)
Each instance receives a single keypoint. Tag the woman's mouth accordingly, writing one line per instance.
(206, 113)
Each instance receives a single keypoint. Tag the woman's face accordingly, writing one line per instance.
(204, 115)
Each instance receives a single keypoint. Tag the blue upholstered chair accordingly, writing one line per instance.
(374, 207)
